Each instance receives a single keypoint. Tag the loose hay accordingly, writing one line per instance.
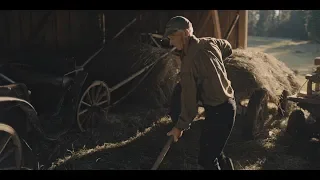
(250, 70)
(120, 61)
(247, 71)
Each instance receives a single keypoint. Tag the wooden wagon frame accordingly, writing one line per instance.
(97, 92)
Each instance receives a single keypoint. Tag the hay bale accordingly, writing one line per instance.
(120, 60)
(247, 70)
(250, 70)
(156, 89)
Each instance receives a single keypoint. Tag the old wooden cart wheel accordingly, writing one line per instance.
(93, 105)
(10, 148)
(255, 116)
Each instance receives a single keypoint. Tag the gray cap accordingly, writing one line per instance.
(176, 23)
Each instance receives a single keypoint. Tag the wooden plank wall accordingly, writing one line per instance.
(63, 32)
(226, 19)
(154, 21)
(69, 33)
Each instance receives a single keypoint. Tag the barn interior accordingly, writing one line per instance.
(56, 41)
(118, 44)
(66, 33)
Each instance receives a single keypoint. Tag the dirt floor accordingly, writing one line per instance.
(137, 148)
(134, 139)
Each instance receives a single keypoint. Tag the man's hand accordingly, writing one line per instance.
(176, 133)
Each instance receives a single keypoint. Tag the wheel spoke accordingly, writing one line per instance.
(82, 112)
(82, 102)
(92, 94)
(98, 93)
(7, 153)
(102, 102)
(15, 146)
(101, 96)
(4, 142)
(89, 97)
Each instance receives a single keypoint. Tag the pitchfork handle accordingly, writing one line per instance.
(163, 153)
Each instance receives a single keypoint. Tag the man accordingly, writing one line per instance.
(203, 78)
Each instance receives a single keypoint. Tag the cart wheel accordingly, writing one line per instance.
(283, 108)
(256, 112)
(296, 126)
(94, 103)
(10, 144)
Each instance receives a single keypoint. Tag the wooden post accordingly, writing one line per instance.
(243, 29)
(309, 87)
(216, 23)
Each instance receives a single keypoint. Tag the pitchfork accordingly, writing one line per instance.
(163, 153)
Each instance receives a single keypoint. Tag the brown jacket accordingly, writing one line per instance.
(203, 77)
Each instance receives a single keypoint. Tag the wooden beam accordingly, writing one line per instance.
(38, 28)
(203, 24)
(216, 23)
(234, 22)
(243, 29)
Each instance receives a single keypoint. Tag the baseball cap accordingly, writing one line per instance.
(176, 23)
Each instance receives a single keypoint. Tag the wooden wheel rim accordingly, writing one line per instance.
(17, 143)
(99, 98)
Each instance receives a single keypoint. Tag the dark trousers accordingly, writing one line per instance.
(215, 131)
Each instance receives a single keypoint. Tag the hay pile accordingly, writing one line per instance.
(251, 70)
(119, 60)
(247, 70)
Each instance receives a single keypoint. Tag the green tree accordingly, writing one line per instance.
(253, 17)
(313, 25)
(264, 22)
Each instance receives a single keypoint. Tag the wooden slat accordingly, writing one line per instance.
(216, 23)
(231, 27)
(203, 24)
(226, 18)
(25, 21)
(76, 31)
(84, 30)
(243, 29)
(224, 21)
(40, 20)
(50, 33)
(234, 34)
(8, 31)
(2, 32)
(163, 18)
(14, 29)
(63, 30)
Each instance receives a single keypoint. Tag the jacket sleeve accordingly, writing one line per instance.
(225, 48)
(189, 106)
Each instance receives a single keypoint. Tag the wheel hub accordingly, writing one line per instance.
(96, 109)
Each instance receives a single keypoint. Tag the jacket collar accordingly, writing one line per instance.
(192, 47)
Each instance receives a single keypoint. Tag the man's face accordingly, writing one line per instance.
(177, 39)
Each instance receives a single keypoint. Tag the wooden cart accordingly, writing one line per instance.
(297, 125)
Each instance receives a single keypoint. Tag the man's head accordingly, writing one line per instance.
(178, 29)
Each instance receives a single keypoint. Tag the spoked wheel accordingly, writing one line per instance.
(93, 105)
(254, 118)
(10, 148)
(296, 126)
